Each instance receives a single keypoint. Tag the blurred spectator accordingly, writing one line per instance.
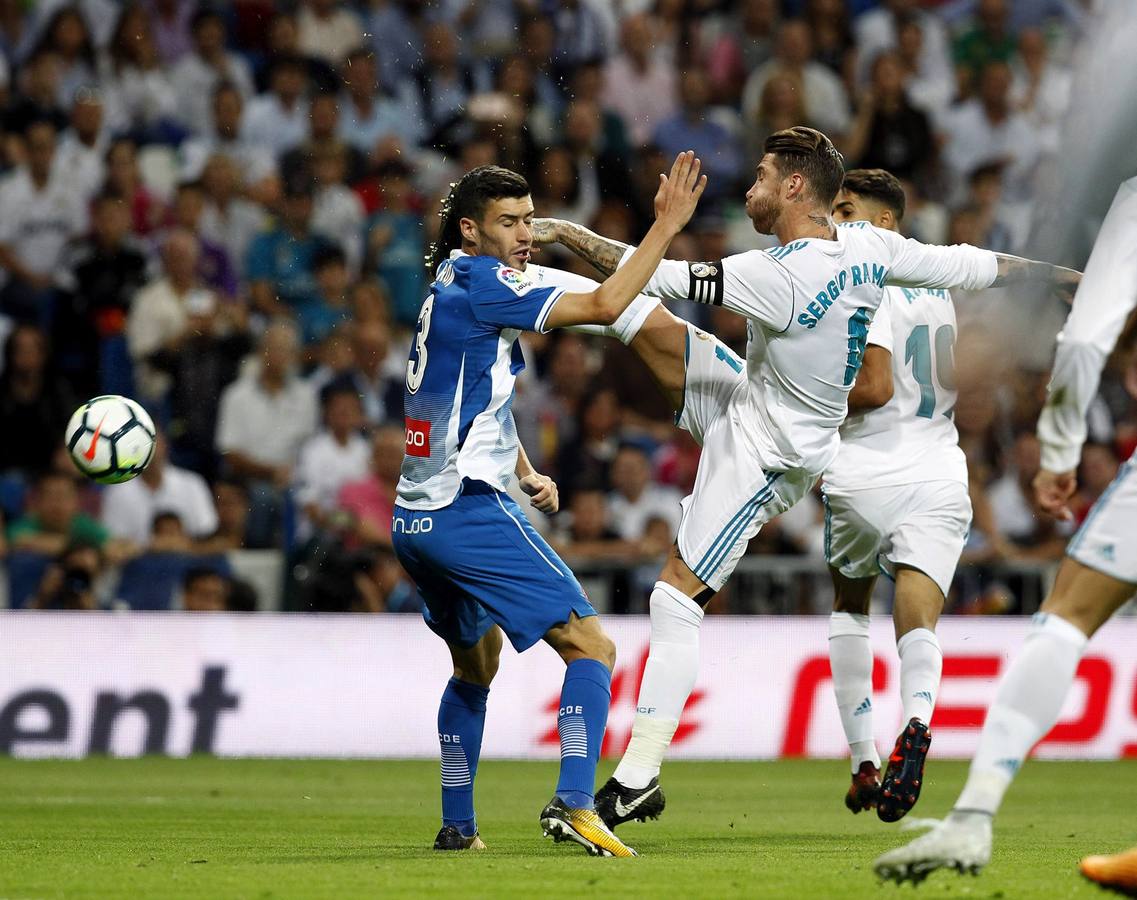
(987, 39)
(81, 155)
(323, 134)
(1015, 514)
(826, 105)
(537, 47)
(38, 95)
(264, 417)
(368, 117)
(336, 455)
(987, 129)
(205, 590)
(35, 403)
(379, 375)
(587, 456)
(255, 162)
(158, 315)
(329, 304)
(600, 166)
(170, 21)
(280, 262)
(231, 499)
(199, 72)
(1098, 468)
(696, 128)
(635, 500)
(781, 105)
(590, 536)
(833, 46)
(639, 82)
(559, 192)
(441, 87)
(1041, 88)
(369, 502)
(745, 42)
(327, 31)
(98, 277)
(139, 91)
(53, 519)
(927, 90)
(888, 132)
(129, 509)
(395, 242)
(227, 218)
(996, 222)
(124, 177)
(879, 29)
(394, 29)
(278, 119)
(214, 266)
(337, 211)
(199, 363)
(68, 37)
(41, 214)
(68, 583)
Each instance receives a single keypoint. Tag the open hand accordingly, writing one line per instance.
(1053, 491)
(542, 491)
(679, 192)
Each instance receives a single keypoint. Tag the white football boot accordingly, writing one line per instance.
(962, 842)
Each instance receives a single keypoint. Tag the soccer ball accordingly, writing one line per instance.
(110, 439)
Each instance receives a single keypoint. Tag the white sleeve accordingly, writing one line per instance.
(753, 284)
(1105, 298)
(914, 264)
(880, 331)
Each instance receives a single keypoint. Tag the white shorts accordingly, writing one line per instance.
(1107, 540)
(733, 497)
(921, 526)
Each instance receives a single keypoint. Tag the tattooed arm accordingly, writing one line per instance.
(1016, 270)
(603, 253)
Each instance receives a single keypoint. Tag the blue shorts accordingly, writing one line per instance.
(478, 561)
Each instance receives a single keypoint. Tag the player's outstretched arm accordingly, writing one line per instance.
(604, 254)
(675, 203)
(1017, 270)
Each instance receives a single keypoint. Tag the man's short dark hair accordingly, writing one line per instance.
(878, 185)
(328, 254)
(811, 153)
(194, 574)
(468, 199)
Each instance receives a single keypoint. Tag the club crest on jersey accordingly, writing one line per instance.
(703, 270)
(514, 279)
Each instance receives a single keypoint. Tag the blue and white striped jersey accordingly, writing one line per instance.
(463, 363)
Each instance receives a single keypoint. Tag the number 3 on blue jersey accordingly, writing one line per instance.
(416, 365)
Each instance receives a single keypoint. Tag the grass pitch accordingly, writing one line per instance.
(307, 829)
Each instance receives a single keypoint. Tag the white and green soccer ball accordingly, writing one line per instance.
(111, 439)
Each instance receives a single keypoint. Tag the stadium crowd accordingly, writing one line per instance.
(223, 211)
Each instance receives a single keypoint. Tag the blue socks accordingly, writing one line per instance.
(581, 720)
(461, 719)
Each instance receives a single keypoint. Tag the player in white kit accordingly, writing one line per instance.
(809, 303)
(895, 496)
(1098, 575)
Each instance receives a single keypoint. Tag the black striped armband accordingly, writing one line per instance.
(706, 283)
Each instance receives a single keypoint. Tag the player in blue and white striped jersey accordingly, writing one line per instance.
(480, 566)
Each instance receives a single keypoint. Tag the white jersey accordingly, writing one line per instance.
(810, 304)
(1105, 298)
(912, 437)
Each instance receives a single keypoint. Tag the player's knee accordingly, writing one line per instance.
(480, 672)
(846, 603)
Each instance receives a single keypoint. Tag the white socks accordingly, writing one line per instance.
(921, 664)
(669, 678)
(850, 661)
(628, 325)
(1027, 704)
